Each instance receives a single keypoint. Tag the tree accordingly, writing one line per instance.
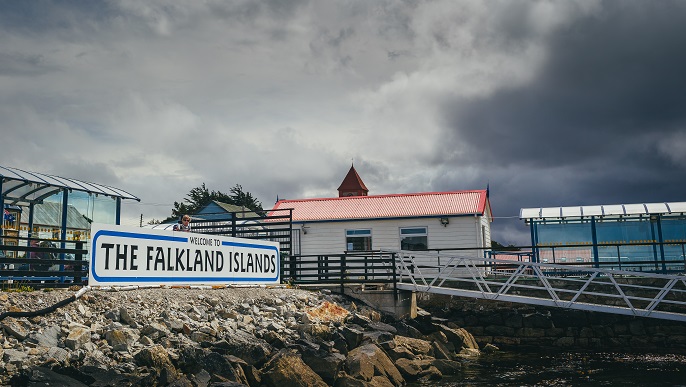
(199, 197)
(498, 247)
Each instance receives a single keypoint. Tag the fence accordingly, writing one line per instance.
(275, 227)
(371, 267)
(49, 263)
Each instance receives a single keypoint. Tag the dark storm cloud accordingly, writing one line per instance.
(41, 16)
(592, 125)
(610, 79)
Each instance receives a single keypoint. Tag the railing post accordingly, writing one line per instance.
(78, 258)
(291, 263)
(343, 270)
(395, 277)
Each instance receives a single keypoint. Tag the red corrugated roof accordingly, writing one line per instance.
(387, 206)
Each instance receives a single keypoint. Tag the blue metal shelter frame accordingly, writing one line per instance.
(656, 230)
(26, 189)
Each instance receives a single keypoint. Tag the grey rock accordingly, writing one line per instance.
(15, 328)
(441, 350)
(49, 337)
(360, 320)
(113, 315)
(447, 367)
(413, 369)
(13, 356)
(155, 330)
(59, 354)
(367, 361)
(41, 376)
(286, 368)
(325, 365)
(200, 337)
(416, 346)
(121, 339)
(175, 325)
(352, 336)
(213, 363)
(125, 316)
(77, 337)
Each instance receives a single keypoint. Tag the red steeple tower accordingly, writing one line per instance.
(352, 185)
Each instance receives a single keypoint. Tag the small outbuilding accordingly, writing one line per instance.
(356, 221)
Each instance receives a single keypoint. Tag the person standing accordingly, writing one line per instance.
(184, 225)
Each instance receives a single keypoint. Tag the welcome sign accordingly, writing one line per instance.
(133, 256)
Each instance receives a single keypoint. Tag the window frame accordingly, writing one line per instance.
(364, 233)
(424, 234)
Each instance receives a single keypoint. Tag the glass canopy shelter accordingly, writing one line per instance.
(21, 189)
(610, 233)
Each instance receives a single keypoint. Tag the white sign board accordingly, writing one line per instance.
(135, 256)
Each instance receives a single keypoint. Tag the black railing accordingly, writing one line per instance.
(45, 265)
(277, 226)
(369, 267)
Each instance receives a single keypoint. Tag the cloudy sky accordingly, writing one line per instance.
(548, 102)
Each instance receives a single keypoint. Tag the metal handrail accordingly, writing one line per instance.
(624, 292)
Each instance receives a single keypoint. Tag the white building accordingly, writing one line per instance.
(355, 221)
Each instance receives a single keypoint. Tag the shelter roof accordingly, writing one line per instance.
(20, 187)
(454, 203)
(603, 210)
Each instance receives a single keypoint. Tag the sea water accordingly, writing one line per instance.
(568, 369)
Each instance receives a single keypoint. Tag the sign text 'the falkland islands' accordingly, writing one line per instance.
(134, 256)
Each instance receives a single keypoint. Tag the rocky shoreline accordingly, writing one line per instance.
(252, 336)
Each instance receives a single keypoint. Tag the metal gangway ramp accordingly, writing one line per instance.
(579, 287)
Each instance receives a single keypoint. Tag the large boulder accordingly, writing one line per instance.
(416, 346)
(218, 366)
(418, 368)
(157, 358)
(367, 361)
(459, 337)
(246, 346)
(324, 364)
(286, 368)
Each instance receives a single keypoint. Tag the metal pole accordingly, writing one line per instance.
(117, 220)
(594, 237)
(65, 208)
(31, 208)
(534, 237)
(659, 239)
(2, 206)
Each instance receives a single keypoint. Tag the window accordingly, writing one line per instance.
(414, 238)
(358, 240)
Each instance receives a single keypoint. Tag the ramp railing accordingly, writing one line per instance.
(579, 287)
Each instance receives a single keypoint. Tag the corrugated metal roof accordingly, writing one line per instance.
(603, 210)
(50, 214)
(387, 206)
(219, 210)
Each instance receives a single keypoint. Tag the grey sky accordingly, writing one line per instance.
(550, 102)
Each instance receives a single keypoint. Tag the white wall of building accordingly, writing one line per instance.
(330, 237)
